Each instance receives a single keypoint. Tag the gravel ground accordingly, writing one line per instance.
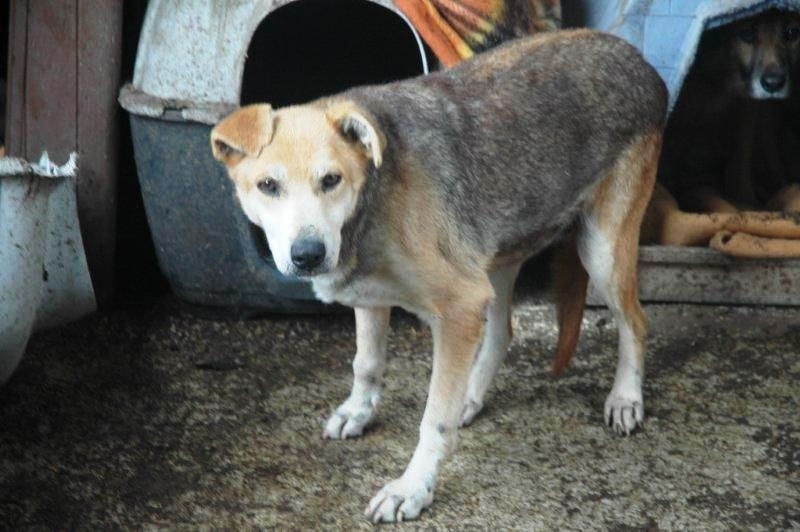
(151, 417)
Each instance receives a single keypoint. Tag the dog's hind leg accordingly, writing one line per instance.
(608, 248)
(496, 338)
(350, 418)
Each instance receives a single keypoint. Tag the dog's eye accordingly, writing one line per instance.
(792, 33)
(748, 35)
(269, 187)
(329, 181)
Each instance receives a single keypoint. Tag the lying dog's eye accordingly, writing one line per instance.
(269, 187)
(792, 33)
(329, 181)
(748, 35)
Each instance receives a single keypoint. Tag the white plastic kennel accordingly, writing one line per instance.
(200, 59)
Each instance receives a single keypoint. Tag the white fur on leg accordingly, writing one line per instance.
(624, 408)
(596, 252)
(405, 498)
(496, 338)
(453, 352)
(350, 418)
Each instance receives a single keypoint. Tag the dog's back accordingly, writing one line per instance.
(516, 139)
(519, 144)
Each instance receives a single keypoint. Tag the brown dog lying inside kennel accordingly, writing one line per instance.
(730, 169)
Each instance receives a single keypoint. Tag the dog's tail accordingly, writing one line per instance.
(571, 282)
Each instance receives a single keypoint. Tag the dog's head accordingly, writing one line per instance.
(298, 172)
(764, 55)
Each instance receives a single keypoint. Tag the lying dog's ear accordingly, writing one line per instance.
(356, 125)
(242, 133)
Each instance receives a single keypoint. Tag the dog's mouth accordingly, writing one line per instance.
(757, 93)
(307, 274)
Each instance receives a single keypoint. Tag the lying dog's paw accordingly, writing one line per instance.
(471, 409)
(349, 420)
(624, 414)
(400, 500)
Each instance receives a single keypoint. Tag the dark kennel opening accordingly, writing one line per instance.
(312, 48)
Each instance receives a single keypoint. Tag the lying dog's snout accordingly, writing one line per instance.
(773, 81)
(307, 253)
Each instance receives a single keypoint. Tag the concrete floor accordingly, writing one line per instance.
(151, 417)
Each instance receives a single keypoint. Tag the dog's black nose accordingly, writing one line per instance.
(773, 81)
(307, 253)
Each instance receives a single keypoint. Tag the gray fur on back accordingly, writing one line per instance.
(515, 147)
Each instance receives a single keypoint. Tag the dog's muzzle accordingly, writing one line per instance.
(773, 82)
(307, 254)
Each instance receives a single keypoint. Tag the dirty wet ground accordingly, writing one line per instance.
(151, 416)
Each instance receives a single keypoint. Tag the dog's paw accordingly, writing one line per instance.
(624, 414)
(471, 409)
(402, 499)
(349, 420)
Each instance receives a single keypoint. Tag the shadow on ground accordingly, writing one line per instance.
(153, 417)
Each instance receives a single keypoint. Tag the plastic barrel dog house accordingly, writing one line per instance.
(668, 32)
(200, 59)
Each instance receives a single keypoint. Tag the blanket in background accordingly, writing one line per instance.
(458, 29)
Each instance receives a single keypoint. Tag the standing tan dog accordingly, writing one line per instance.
(429, 193)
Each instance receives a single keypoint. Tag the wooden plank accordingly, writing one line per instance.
(51, 84)
(15, 88)
(98, 60)
(64, 64)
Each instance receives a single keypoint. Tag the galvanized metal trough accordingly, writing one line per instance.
(44, 277)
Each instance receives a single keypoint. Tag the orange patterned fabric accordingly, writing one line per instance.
(458, 29)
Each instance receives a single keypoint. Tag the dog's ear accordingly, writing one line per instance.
(356, 125)
(242, 133)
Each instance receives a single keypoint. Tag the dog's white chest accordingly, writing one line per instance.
(364, 292)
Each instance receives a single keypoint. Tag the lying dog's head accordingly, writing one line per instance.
(298, 172)
(760, 54)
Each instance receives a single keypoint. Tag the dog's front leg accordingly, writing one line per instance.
(350, 418)
(455, 341)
